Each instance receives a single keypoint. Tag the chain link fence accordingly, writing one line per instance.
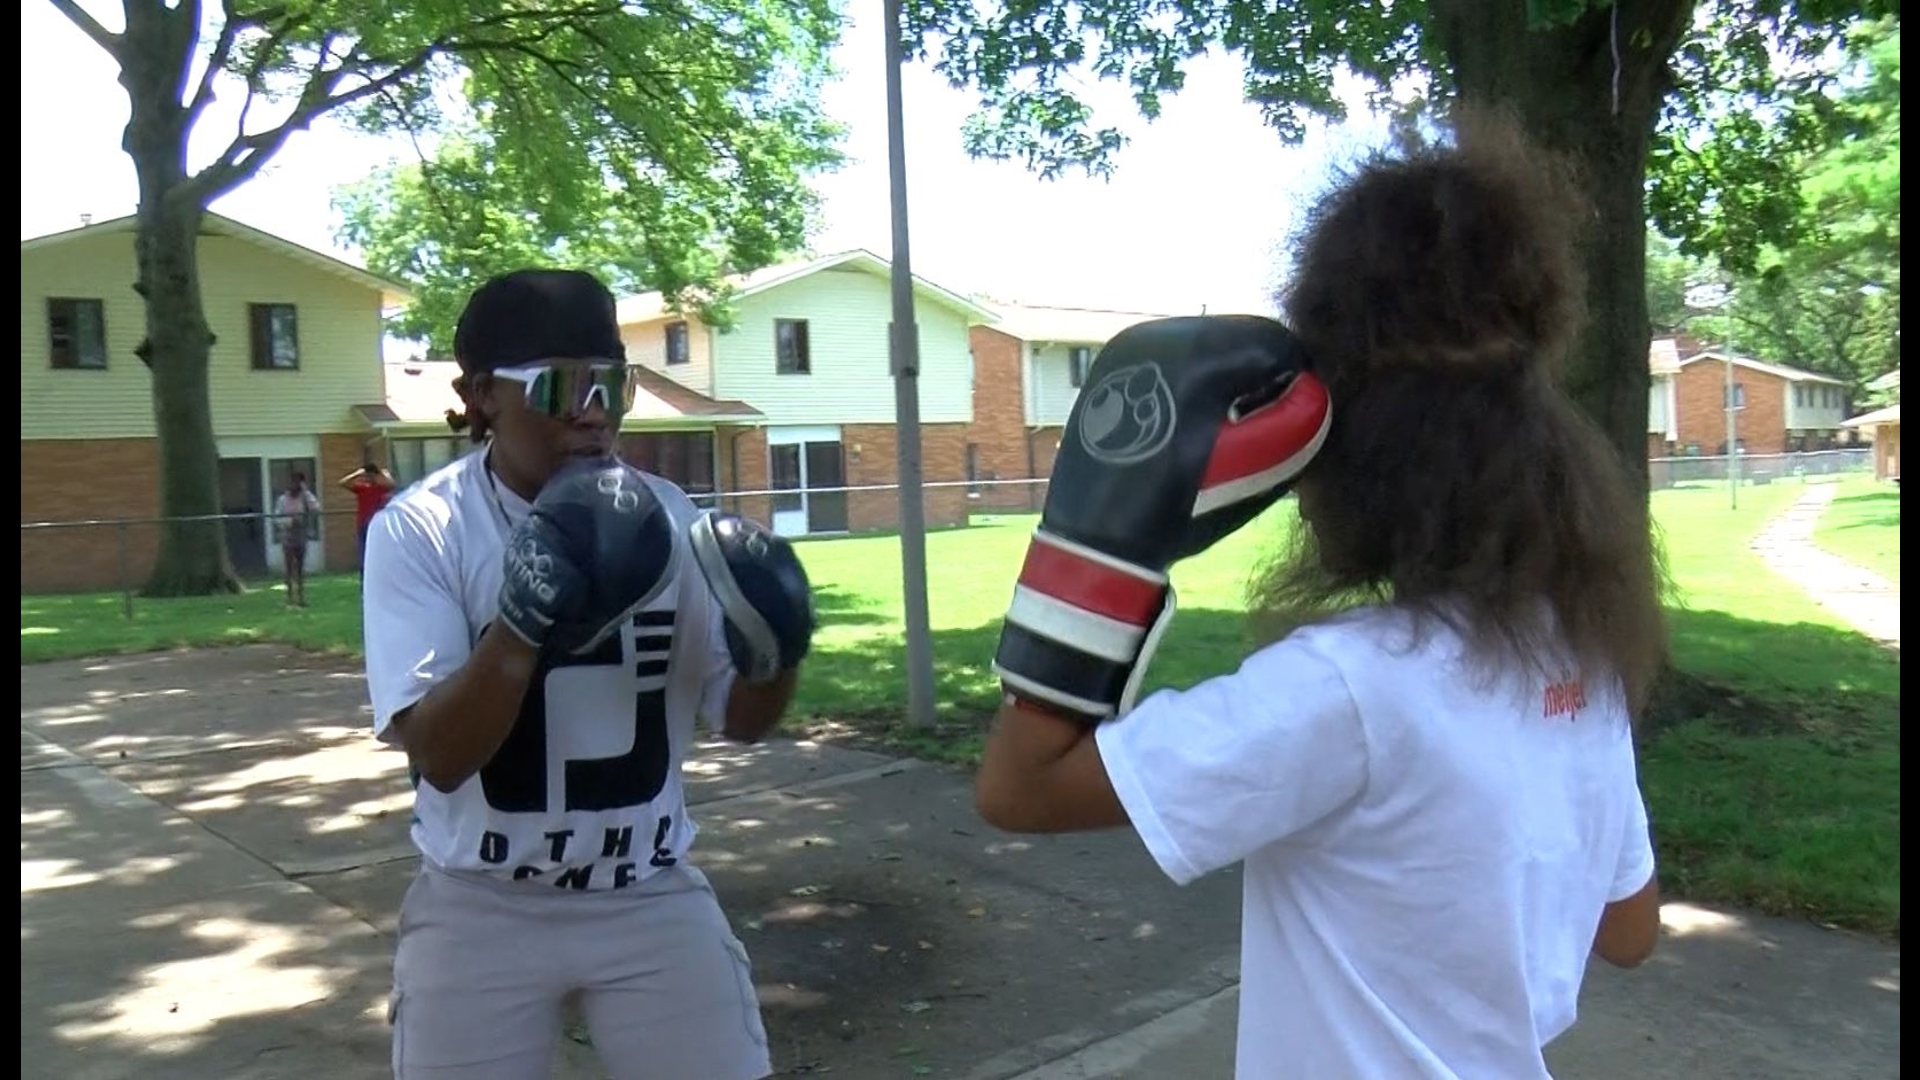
(116, 555)
(1758, 469)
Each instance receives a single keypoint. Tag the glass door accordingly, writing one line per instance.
(786, 477)
(279, 478)
(247, 537)
(825, 468)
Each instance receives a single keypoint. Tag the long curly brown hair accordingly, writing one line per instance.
(1437, 290)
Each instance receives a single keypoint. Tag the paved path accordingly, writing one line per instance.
(1862, 598)
(212, 852)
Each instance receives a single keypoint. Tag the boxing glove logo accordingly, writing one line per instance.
(624, 501)
(1128, 416)
(532, 568)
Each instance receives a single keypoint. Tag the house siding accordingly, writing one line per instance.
(338, 325)
(647, 345)
(1050, 382)
(1816, 407)
(848, 311)
(1660, 407)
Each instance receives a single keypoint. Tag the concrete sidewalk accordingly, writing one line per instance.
(212, 853)
(1725, 998)
(1860, 597)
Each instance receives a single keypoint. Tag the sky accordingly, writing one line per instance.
(1195, 216)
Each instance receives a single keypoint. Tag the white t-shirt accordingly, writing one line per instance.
(1426, 856)
(585, 792)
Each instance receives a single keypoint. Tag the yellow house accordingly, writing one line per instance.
(797, 395)
(294, 375)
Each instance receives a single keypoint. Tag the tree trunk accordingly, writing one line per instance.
(1590, 91)
(1573, 98)
(155, 57)
(193, 558)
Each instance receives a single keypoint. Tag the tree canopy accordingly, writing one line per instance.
(1713, 99)
(1824, 293)
(689, 124)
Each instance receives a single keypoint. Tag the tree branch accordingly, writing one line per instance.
(216, 61)
(247, 154)
(90, 26)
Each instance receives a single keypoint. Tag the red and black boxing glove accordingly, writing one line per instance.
(1188, 429)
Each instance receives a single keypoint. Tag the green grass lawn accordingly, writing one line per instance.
(1781, 792)
(1863, 525)
(1774, 784)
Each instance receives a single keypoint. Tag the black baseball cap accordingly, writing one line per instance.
(537, 314)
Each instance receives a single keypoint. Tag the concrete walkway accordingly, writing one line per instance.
(213, 852)
(1860, 597)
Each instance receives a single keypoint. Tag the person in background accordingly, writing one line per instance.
(294, 510)
(371, 486)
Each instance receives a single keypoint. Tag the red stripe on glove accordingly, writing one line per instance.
(1090, 585)
(1269, 435)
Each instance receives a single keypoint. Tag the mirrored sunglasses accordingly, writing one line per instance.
(563, 390)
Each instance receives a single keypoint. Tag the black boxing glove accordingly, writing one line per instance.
(762, 589)
(1188, 429)
(595, 547)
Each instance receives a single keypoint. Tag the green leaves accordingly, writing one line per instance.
(1030, 61)
(1805, 213)
(663, 146)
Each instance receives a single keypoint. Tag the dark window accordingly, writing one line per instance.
(791, 356)
(1739, 395)
(677, 343)
(77, 333)
(276, 337)
(684, 457)
(973, 468)
(1079, 358)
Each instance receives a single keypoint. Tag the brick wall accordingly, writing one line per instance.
(743, 467)
(1700, 393)
(340, 455)
(1046, 446)
(78, 480)
(998, 430)
(85, 479)
(871, 457)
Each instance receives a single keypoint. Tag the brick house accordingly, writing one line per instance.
(295, 365)
(797, 395)
(1778, 409)
(657, 433)
(1030, 365)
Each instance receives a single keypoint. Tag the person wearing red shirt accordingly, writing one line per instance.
(371, 486)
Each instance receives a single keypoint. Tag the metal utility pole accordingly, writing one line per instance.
(1733, 434)
(905, 341)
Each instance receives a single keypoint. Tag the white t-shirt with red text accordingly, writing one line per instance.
(1427, 853)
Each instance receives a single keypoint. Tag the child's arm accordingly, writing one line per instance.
(1043, 773)
(1629, 928)
(1204, 776)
